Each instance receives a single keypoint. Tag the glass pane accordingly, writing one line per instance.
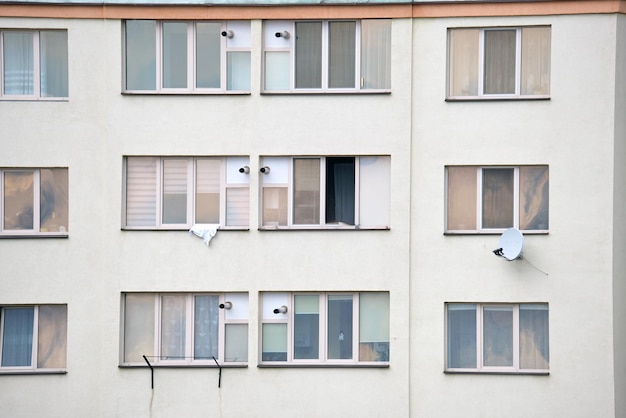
(499, 77)
(374, 190)
(237, 206)
(175, 191)
(173, 327)
(463, 62)
(533, 336)
(54, 200)
(208, 191)
(533, 197)
(53, 59)
(18, 200)
(138, 327)
(308, 55)
(208, 55)
(306, 327)
(340, 190)
(306, 193)
(140, 54)
(341, 54)
(206, 326)
(274, 206)
(18, 61)
(274, 342)
(17, 337)
(52, 336)
(536, 60)
(174, 55)
(277, 70)
(376, 54)
(461, 332)
(238, 72)
(141, 191)
(374, 326)
(236, 348)
(461, 198)
(498, 336)
(498, 197)
(340, 327)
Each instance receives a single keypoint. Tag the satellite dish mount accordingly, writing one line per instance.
(511, 245)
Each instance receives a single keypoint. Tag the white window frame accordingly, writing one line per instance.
(155, 357)
(480, 367)
(479, 202)
(36, 69)
(323, 360)
(269, 30)
(226, 164)
(33, 368)
(191, 88)
(36, 231)
(481, 68)
(322, 207)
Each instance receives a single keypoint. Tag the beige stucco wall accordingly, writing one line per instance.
(93, 131)
(570, 268)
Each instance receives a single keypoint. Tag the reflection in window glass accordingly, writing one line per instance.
(498, 336)
(174, 55)
(274, 342)
(497, 197)
(461, 336)
(18, 200)
(52, 336)
(208, 62)
(141, 55)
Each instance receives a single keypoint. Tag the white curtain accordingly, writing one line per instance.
(341, 54)
(238, 72)
(173, 327)
(535, 60)
(308, 55)
(18, 62)
(376, 53)
(463, 62)
(206, 326)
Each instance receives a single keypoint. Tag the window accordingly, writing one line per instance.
(185, 328)
(326, 192)
(499, 63)
(325, 328)
(187, 57)
(177, 192)
(33, 64)
(491, 199)
(33, 338)
(329, 56)
(34, 201)
(497, 337)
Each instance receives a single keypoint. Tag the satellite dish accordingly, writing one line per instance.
(511, 245)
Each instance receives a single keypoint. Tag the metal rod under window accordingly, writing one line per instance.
(219, 379)
(151, 372)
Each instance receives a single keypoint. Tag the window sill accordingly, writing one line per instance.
(31, 372)
(325, 228)
(493, 372)
(494, 98)
(322, 92)
(184, 366)
(494, 232)
(33, 99)
(285, 365)
(154, 229)
(186, 93)
(50, 235)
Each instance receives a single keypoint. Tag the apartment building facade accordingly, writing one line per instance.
(246, 209)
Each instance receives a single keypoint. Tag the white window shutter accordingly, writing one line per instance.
(375, 195)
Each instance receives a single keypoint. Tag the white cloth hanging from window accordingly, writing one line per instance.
(205, 231)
